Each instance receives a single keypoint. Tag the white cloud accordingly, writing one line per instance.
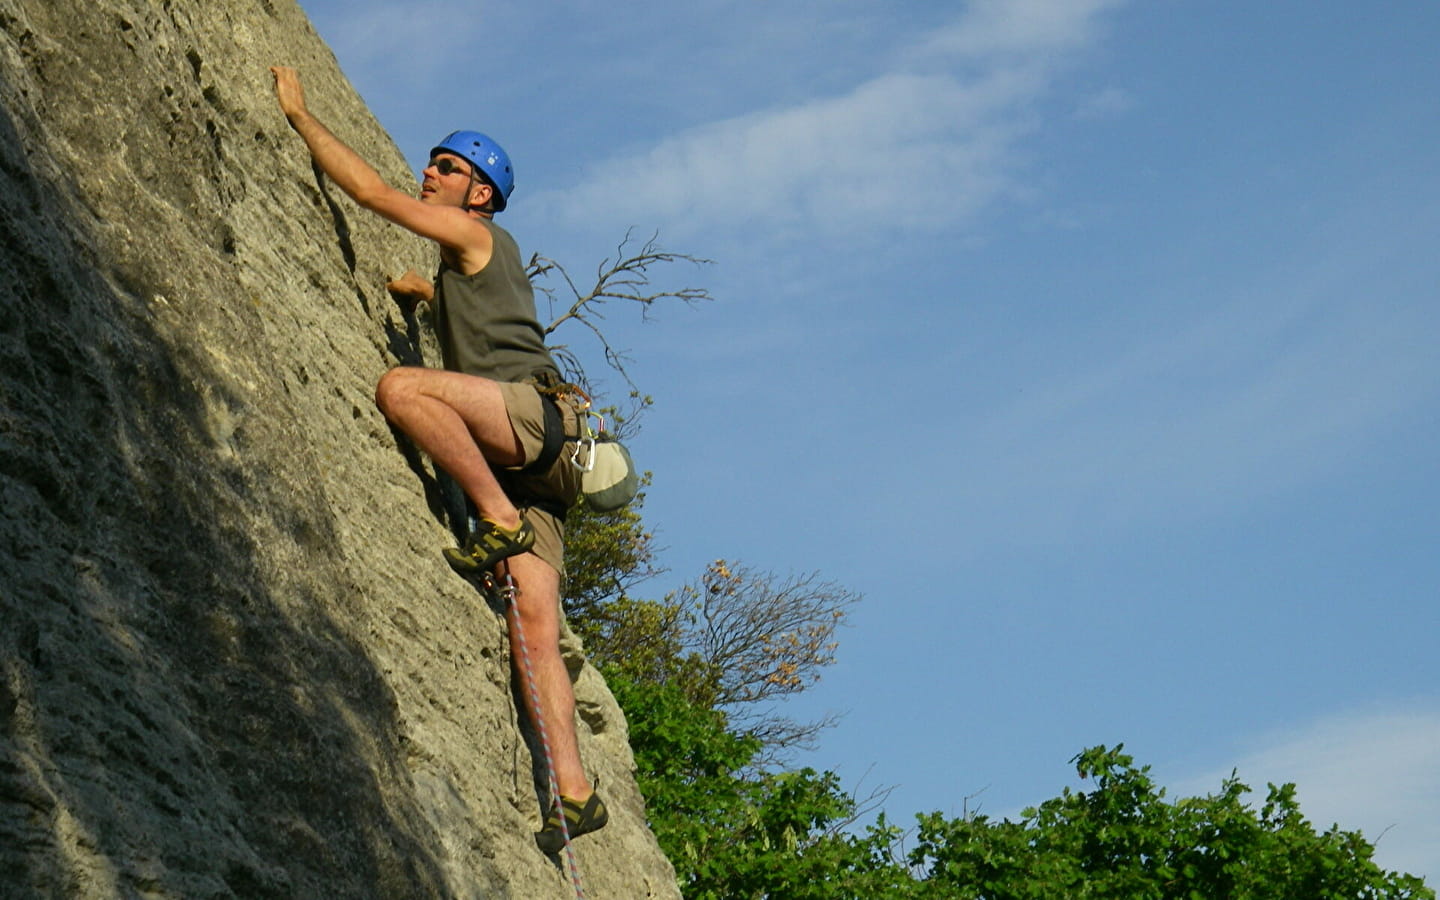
(920, 148)
(921, 145)
(1373, 772)
(1019, 27)
(1104, 104)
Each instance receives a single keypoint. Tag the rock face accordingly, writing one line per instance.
(232, 661)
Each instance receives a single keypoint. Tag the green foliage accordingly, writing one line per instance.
(606, 555)
(732, 832)
(1124, 841)
(732, 835)
(642, 640)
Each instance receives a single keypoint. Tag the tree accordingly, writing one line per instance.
(607, 555)
(626, 277)
(736, 641)
(1122, 840)
(764, 637)
(732, 832)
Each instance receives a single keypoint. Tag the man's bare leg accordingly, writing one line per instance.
(460, 422)
(538, 607)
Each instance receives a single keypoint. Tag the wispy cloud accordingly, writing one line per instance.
(1104, 104)
(922, 148)
(1024, 28)
(1236, 403)
(1376, 772)
(928, 142)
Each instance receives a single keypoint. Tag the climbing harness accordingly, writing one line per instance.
(508, 592)
(608, 477)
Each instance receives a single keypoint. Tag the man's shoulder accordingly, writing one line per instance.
(502, 241)
(496, 229)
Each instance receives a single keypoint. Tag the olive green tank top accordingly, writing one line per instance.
(486, 322)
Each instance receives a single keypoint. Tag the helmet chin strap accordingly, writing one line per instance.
(470, 186)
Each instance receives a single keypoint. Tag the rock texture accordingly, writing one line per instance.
(232, 662)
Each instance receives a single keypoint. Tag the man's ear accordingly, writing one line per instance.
(481, 194)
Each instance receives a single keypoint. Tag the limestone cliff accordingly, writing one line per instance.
(232, 662)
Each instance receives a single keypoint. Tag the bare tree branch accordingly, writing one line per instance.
(770, 637)
(624, 277)
(764, 637)
(862, 806)
(779, 735)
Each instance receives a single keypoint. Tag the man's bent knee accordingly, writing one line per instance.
(393, 388)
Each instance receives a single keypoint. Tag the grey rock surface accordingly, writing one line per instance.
(232, 661)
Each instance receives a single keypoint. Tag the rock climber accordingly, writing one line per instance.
(492, 417)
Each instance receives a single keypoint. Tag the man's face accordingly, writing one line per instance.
(446, 180)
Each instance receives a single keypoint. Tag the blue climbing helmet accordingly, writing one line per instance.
(488, 158)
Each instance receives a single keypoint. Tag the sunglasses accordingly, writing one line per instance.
(447, 166)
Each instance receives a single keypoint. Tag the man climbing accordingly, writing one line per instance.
(489, 418)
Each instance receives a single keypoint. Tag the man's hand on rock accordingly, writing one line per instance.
(289, 92)
(409, 289)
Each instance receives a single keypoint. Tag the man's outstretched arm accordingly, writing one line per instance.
(448, 226)
(341, 165)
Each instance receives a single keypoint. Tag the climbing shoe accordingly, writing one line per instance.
(488, 545)
(579, 819)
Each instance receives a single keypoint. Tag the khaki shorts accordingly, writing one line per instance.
(556, 486)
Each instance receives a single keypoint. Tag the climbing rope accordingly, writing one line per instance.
(509, 592)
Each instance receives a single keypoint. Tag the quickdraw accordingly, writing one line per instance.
(582, 456)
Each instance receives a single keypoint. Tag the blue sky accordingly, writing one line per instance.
(1093, 342)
